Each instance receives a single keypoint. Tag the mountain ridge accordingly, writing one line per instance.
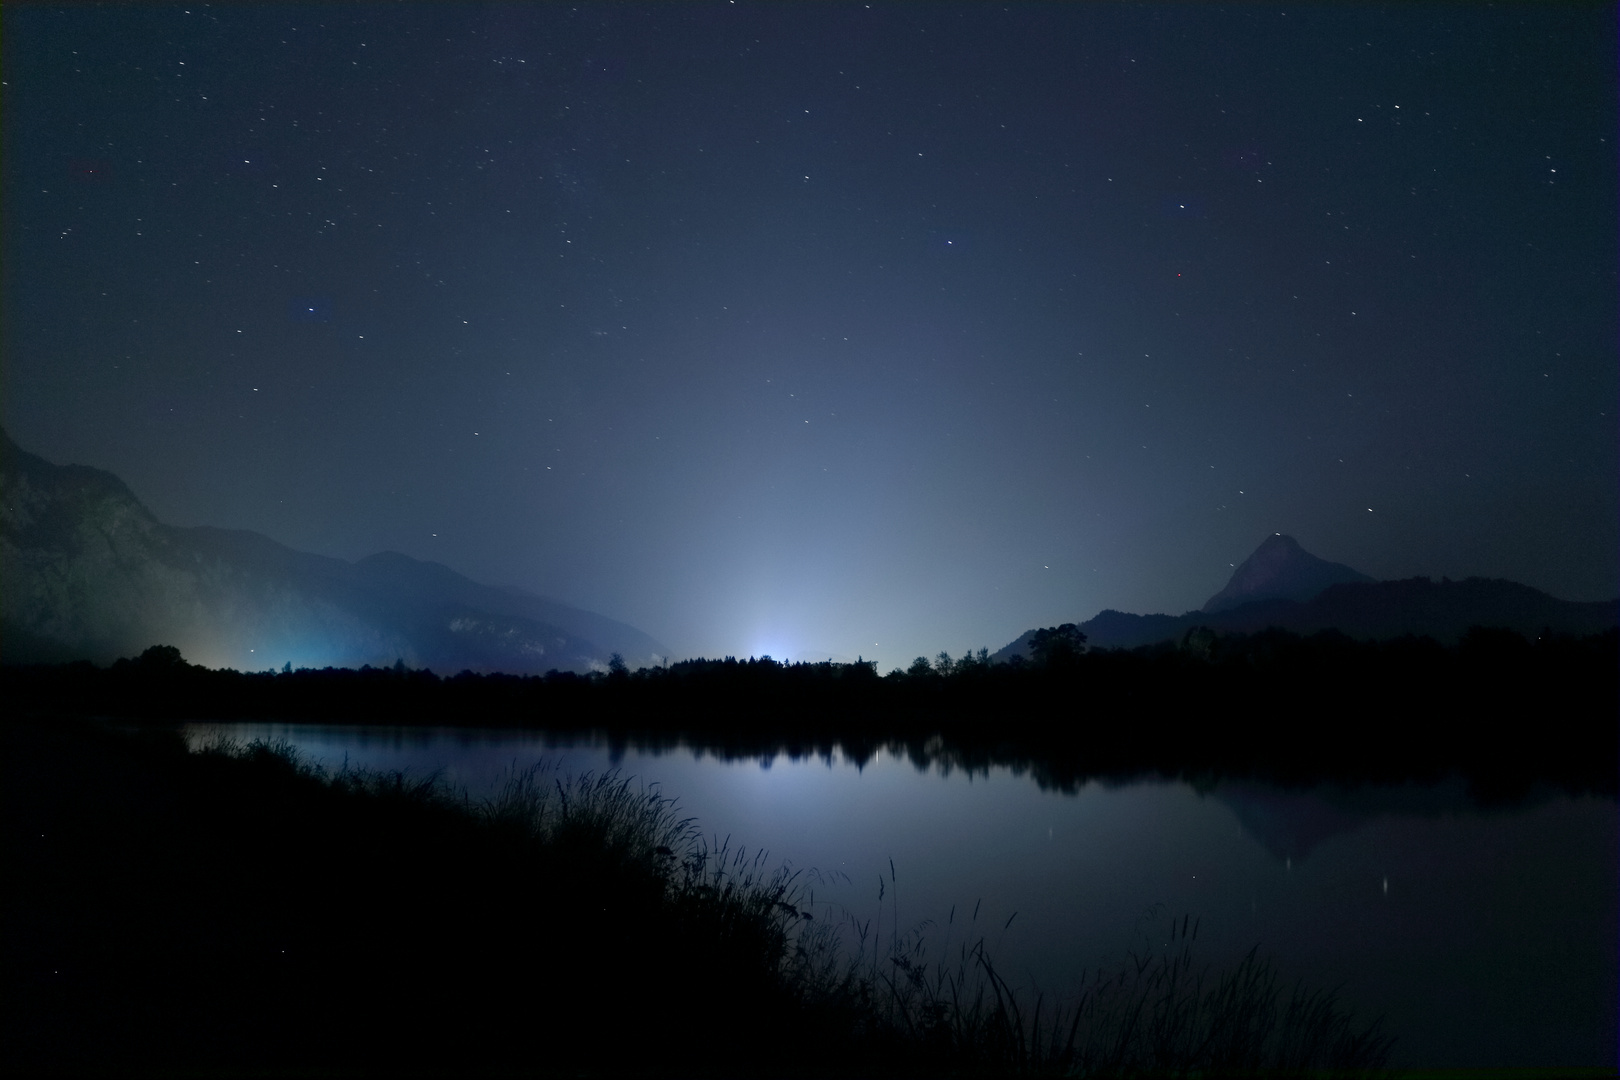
(91, 573)
(1363, 608)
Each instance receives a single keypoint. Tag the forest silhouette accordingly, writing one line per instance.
(235, 909)
(1502, 710)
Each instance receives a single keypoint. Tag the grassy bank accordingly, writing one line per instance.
(233, 911)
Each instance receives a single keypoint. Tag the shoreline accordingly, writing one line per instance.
(1503, 713)
(232, 910)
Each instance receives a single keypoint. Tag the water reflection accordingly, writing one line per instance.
(1487, 936)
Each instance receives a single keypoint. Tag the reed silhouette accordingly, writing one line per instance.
(1156, 1014)
(234, 909)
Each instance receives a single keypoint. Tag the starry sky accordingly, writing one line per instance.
(830, 329)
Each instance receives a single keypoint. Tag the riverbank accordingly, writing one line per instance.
(231, 911)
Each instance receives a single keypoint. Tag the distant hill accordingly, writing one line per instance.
(89, 572)
(1278, 578)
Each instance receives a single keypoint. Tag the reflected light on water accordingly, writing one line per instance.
(1498, 950)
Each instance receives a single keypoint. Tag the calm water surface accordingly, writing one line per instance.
(1484, 937)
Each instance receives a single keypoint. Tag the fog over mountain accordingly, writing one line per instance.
(91, 574)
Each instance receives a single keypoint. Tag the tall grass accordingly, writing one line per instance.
(876, 991)
(1156, 1014)
(735, 902)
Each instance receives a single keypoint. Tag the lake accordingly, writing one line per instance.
(1486, 936)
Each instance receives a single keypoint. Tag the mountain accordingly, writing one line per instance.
(1280, 569)
(1278, 580)
(90, 573)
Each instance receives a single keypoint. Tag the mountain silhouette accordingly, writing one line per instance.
(1280, 569)
(90, 573)
(1291, 589)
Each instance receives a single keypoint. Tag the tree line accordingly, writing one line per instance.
(1505, 710)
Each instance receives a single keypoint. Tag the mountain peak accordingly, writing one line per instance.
(1280, 569)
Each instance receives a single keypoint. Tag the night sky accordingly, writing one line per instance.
(831, 330)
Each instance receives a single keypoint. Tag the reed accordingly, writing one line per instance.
(1156, 1014)
(586, 911)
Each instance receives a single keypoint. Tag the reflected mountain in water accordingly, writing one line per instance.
(1291, 823)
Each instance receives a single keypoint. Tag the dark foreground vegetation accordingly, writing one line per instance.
(1504, 711)
(230, 912)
